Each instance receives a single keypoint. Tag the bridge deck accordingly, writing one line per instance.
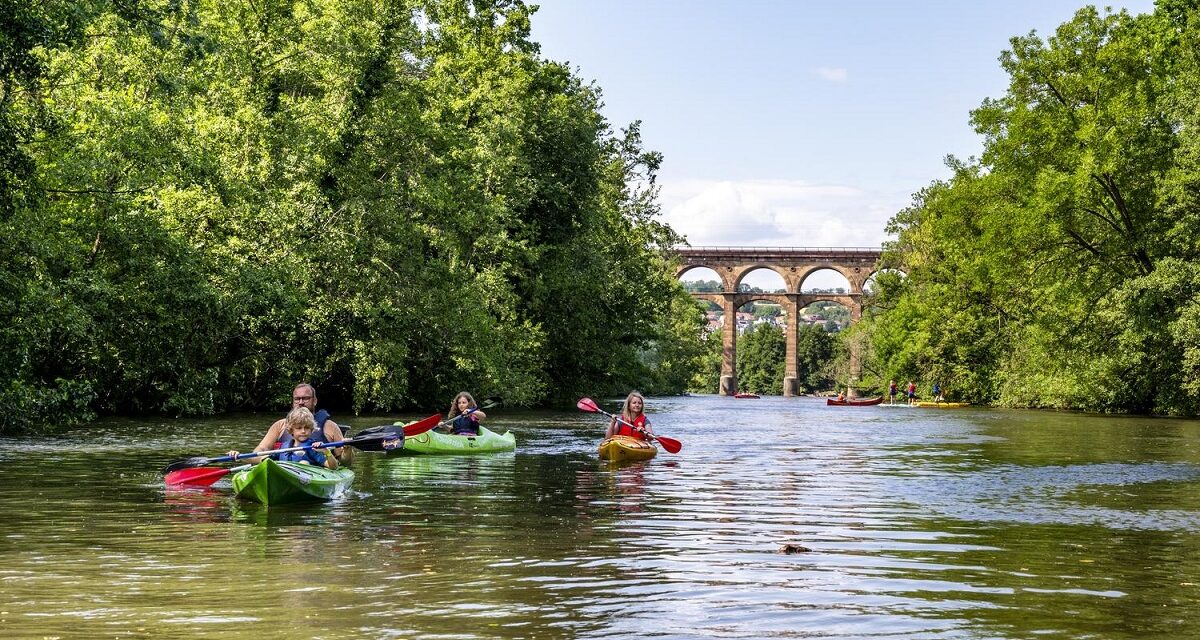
(779, 253)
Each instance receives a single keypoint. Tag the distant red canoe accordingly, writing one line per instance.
(833, 402)
(745, 395)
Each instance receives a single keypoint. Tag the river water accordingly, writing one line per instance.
(914, 523)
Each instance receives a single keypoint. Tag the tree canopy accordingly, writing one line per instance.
(394, 200)
(1059, 268)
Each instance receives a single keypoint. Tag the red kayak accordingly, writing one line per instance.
(833, 402)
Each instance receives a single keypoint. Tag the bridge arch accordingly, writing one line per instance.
(872, 280)
(823, 272)
(757, 271)
(794, 264)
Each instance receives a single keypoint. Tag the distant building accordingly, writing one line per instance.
(713, 321)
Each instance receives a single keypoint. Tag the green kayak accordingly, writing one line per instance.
(432, 442)
(271, 482)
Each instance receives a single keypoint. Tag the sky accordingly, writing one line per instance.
(801, 123)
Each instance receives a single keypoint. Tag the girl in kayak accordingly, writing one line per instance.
(297, 432)
(466, 422)
(632, 412)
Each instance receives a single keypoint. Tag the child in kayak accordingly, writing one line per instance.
(465, 424)
(632, 412)
(305, 395)
(297, 432)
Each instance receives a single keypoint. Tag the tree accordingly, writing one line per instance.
(1033, 275)
(220, 200)
(816, 349)
(760, 359)
(706, 378)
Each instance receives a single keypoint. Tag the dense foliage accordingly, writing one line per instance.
(760, 360)
(1060, 269)
(207, 202)
(762, 357)
(820, 359)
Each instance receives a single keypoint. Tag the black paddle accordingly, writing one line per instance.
(392, 438)
(428, 424)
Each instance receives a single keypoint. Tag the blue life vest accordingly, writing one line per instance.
(304, 455)
(318, 435)
(467, 425)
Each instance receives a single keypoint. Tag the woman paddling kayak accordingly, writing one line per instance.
(633, 412)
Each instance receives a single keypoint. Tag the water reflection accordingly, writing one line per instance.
(964, 524)
(197, 504)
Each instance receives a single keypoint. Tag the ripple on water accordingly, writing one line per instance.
(974, 524)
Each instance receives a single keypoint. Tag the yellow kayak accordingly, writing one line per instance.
(619, 448)
(942, 405)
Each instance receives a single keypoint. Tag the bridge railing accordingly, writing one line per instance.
(744, 250)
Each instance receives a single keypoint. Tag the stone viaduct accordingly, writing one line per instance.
(793, 264)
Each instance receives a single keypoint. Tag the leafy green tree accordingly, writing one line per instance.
(392, 201)
(766, 311)
(760, 359)
(816, 350)
(1034, 275)
(673, 360)
(703, 286)
(706, 377)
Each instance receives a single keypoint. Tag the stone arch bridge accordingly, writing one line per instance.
(793, 264)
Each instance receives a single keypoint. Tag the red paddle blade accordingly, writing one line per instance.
(421, 426)
(670, 444)
(586, 404)
(196, 477)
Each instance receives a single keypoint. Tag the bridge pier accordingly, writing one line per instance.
(793, 264)
(791, 365)
(729, 346)
(855, 354)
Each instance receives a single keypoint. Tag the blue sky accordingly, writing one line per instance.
(803, 123)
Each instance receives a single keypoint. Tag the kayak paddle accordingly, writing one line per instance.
(428, 424)
(414, 429)
(410, 430)
(387, 440)
(201, 476)
(671, 445)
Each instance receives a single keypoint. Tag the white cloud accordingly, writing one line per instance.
(832, 74)
(777, 213)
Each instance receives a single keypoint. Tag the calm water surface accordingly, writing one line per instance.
(919, 523)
